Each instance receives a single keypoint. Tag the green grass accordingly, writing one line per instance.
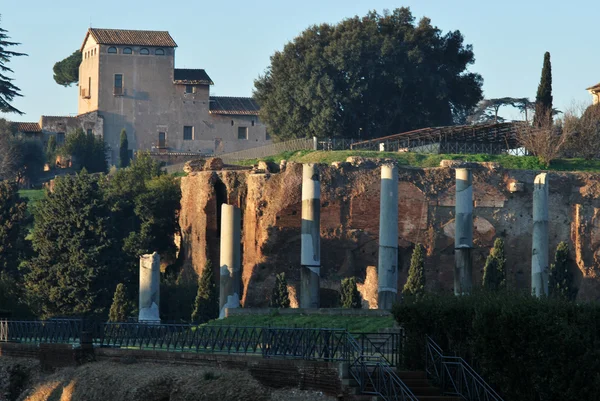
(433, 160)
(363, 324)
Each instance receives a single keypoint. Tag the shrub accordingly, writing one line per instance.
(560, 282)
(415, 283)
(280, 298)
(526, 348)
(206, 305)
(350, 297)
(494, 271)
(119, 310)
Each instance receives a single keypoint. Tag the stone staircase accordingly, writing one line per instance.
(422, 388)
(415, 380)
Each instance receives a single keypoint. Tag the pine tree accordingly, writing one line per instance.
(123, 150)
(415, 284)
(350, 297)
(13, 228)
(543, 99)
(8, 91)
(280, 298)
(119, 310)
(206, 305)
(560, 281)
(494, 271)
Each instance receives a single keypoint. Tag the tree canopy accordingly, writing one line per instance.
(543, 99)
(8, 90)
(88, 151)
(66, 71)
(379, 75)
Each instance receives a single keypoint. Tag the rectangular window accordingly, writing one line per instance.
(188, 133)
(89, 87)
(242, 132)
(162, 140)
(189, 89)
(60, 138)
(118, 89)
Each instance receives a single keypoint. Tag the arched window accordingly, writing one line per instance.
(159, 52)
(144, 51)
(112, 49)
(127, 50)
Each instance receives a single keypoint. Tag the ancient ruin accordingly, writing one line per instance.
(387, 289)
(463, 238)
(149, 288)
(230, 277)
(540, 251)
(311, 237)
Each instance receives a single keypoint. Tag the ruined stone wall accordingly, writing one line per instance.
(271, 215)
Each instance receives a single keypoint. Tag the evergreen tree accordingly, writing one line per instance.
(350, 297)
(123, 150)
(88, 151)
(494, 271)
(66, 71)
(206, 305)
(280, 298)
(119, 310)
(8, 91)
(13, 228)
(560, 281)
(51, 150)
(415, 284)
(78, 258)
(543, 99)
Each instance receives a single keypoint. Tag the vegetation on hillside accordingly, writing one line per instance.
(433, 160)
(368, 76)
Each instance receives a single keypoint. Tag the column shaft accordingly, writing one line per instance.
(230, 259)
(387, 284)
(539, 254)
(463, 235)
(311, 237)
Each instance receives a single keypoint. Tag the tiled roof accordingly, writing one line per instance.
(189, 76)
(28, 127)
(595, 87)
(233, 105)
(130, 37)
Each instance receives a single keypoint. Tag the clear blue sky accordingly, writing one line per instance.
(234, 39)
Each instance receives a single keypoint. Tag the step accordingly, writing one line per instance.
(411, 374)
(428, 390)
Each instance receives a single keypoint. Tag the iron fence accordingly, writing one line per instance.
(455, 376)
(269, 150)
(38, 331)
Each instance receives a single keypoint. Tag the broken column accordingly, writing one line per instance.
(149, 288)
(539, 254)
(230, 271)
(463, 236)
(387, 287)
(310, 258)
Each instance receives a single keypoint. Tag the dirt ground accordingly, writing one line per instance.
(21, 380)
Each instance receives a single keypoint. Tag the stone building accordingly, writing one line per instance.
(128, 80)
(595, 91)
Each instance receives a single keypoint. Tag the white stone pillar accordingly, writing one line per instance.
(311, 237)
(387, 287)
(539, 254)
(463, 236)
(149, 288)
(230, 270)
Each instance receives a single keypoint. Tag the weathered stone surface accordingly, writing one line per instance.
(194, 166)
(213, 164)
(516, 187)
(271, 214)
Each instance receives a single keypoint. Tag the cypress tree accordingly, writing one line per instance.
(206, 305)
(560, 281)
(119, 310)
(350, 297)
(415, 283)
(13, 228)
(280, 298)
(543, 99)
(123, 150)
(494, 271)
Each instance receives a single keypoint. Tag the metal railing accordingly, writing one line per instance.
(385, 345)
(455, 376)
(38, 331)
(268, 150)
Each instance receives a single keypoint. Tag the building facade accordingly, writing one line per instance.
(595, 92)
(128, 80)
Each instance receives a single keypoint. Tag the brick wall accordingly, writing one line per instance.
(305, 375)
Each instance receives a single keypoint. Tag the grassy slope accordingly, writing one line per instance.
(351, 323)
(433, 160)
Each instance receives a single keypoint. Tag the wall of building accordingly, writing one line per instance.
(271, 214)
(89, 77)
(152, 103)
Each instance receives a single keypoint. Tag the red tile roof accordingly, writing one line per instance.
(28, 127)
(189, 76)
(233, 105)
(130, 37)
